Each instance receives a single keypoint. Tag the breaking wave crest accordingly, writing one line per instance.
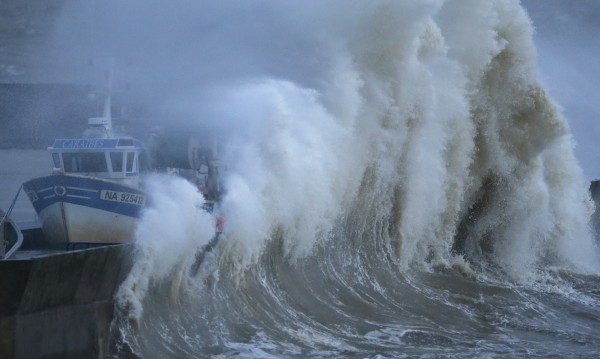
(413, 171)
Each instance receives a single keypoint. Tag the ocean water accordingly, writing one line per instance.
(399, 184)
(411, 192)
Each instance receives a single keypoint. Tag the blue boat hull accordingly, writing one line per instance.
(78, 209)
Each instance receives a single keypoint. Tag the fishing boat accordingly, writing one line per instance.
(93, 195)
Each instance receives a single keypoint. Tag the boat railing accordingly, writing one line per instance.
(5, 219)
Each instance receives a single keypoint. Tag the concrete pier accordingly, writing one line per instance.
(60, 306)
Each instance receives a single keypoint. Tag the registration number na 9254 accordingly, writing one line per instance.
(123, 197)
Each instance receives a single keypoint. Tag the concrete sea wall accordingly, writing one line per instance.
(60, 306)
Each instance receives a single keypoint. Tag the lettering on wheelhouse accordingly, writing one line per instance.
(123, 197)
(84, 143)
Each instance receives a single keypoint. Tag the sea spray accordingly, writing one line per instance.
(436, 130)
(291, 168)
(520, 135)
(172, 229)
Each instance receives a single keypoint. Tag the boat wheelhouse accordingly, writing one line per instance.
(116, 159)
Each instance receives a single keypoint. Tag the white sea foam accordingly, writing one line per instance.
(171, 231)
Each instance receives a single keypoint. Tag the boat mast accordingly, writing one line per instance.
(101, 127)
(107, 103)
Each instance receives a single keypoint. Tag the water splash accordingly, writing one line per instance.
(171, 231)
(437, 129)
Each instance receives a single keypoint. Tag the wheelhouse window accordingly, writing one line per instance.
(56, 160)
(116, 159)
(130, 161)
(85, 162)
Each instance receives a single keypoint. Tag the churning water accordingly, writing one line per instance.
(400, 185)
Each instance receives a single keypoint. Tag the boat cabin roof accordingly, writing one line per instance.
(111, 158)
(78, 144)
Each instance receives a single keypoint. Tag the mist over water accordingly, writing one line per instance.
(398, 182)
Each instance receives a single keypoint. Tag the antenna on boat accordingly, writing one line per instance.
(107, 102)
(102, 126)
